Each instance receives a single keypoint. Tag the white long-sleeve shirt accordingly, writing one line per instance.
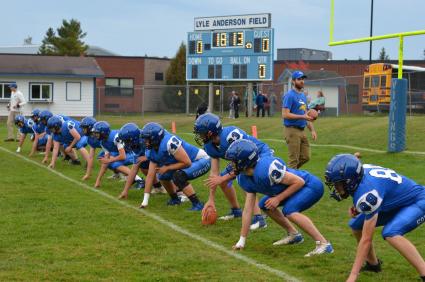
(17, 98)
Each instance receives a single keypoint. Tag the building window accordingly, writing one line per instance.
(119, 87)
(353, 93)
(73, 91)
(159, 76)
(5, 90)
(41, 91)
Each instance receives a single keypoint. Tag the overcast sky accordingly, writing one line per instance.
(156, 28)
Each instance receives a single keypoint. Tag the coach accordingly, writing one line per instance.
(295, 119)
(17, 100)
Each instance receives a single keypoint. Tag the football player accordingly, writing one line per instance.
(216, 139)
(26, 126)
(175, 161)
(130, 135)
(295, 190)
(86, 126)
(40, 136)
(113, 155)
(381, 197)
(44, 117)
(70, 136)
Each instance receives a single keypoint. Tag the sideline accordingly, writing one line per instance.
(418, 153)
(165, 222)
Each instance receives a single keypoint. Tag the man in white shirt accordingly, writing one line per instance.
(17, 101)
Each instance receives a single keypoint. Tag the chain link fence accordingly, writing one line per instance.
(344, 95)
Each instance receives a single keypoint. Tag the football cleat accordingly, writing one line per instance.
(183, 198)
(159, 190)
(197, 207)
(114, 176)
(258, 221)
(321, 248)
(139, 184)
(75, 162)
(234, 213)
(290, 239)
(174, 202)
(372, 267)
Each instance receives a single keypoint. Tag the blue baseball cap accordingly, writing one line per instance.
(298, 74)
(13, 85)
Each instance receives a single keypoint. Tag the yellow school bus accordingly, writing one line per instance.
(377, 85)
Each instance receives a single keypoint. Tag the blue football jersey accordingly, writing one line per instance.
(168, 147)
(93, 142)
(382, 189)
(228, 135)
(65, 135)
(268, 173)
(29, 127)
(39, 128)
(113, 143)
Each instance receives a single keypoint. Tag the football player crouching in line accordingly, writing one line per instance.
(39, 137)
(44, 116)
(113, 155)
(134, 144)
(26, 126)
(69, 134)
(86, 126)
(381, 197)
(175, 161)
(216, 139)
(296, 190)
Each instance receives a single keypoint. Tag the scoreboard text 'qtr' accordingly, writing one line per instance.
(231, 51)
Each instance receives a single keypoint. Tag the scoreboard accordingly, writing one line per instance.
(230, 54)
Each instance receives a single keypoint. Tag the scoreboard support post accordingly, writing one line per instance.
(250, 90)
(210, 97)
(187, 98)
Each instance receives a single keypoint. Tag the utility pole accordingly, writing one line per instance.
(371, 31)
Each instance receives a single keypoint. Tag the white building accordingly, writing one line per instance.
(63, 85)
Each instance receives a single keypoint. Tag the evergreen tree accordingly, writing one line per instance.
(383, 55)
(67, 41)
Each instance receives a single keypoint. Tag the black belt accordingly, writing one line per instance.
(297, 127)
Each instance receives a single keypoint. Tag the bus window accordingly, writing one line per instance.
(366, 82)
(383, 81)
(375, 81)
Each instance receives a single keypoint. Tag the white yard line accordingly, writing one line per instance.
(165, 222)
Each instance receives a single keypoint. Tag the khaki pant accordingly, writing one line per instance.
(11, 125)
(298, 147)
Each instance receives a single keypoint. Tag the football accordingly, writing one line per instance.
(209, 215)
(313, 114)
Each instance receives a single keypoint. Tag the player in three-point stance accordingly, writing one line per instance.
(113, 155)
(295, 190)
(28, 126)
(381, 197)
(70, 136)
(215, 139)
(134, 144)
(175, 161)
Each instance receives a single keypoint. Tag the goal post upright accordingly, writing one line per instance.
(397, 120)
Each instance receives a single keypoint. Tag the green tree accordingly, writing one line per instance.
(174, 95)
(383, 56)
(176, 72)
(66, 41)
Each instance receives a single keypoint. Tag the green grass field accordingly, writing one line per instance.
(53, 229)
